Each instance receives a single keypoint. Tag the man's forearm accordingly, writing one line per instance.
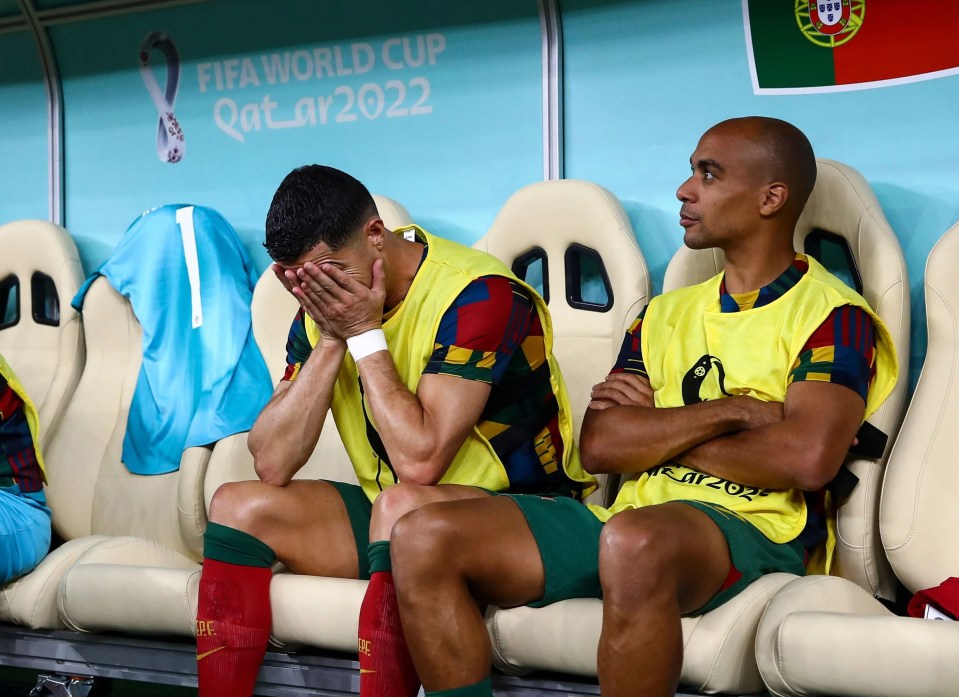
(802, 451)
(414, 445)
(286, 431)
(628, 439)
(775, 456)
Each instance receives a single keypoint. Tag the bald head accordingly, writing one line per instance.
(778, 151)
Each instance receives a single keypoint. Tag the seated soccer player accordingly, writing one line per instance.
(731, 402)
(438, 365)
(24, 516)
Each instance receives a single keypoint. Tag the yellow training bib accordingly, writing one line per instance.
(695, 352)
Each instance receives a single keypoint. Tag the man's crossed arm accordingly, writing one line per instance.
(798, 444)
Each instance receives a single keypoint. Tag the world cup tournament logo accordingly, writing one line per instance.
(171, 145)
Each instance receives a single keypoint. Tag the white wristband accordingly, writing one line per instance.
(362, 345)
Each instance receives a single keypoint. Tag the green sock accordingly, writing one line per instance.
(379, 555)
(234, 546)
(484, 688)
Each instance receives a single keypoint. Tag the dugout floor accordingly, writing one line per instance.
(151, 668)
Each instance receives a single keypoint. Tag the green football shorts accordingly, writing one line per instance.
(752, 554)
(360, 510)
(567, 535)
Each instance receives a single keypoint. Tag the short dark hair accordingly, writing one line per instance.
(315, 204)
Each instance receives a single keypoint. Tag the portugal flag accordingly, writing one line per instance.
(798, 46)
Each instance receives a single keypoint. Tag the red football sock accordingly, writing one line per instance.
(386, 667)
(232, 627)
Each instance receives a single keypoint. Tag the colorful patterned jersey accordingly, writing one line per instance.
(18, 458)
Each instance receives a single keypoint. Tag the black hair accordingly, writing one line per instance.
(315, 204)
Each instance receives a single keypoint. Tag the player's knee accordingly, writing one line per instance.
(635, 557)
(395, 502)
(237, 505)
(419, 538)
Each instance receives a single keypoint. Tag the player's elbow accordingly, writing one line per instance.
(271, 471)
(591, 459)
(593, 450)
(422, 471)
(816, 469)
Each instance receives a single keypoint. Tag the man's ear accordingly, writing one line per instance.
(376, 232)
(773, 198)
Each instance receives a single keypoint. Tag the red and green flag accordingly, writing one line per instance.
(832, 45)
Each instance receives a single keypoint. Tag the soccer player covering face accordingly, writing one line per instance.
(437, 364)
(731, 405)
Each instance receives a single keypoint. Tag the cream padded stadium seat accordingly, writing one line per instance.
(563, 222)
(96, 502)
(720, 646)
(843, 204)
(40, 334)
(90, 489)
(827, 636)
(31, 601)
(148, 522)
(572, 241)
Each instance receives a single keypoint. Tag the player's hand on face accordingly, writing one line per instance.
(309, 305)
(290, 280)
(348, 307)
(622, 389)
(285, 276)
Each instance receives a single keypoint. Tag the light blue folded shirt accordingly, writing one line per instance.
(190, 282)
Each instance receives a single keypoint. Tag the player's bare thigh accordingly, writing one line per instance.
(304, 522)
(485, 541)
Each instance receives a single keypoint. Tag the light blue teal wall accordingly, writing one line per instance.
(23, 125)
(644, 79)
(451, 155)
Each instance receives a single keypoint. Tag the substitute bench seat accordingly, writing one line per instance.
(829, 636)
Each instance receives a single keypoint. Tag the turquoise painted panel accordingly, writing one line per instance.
(23, 122)
(645, 79)
(9, 8)
(437, 105)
